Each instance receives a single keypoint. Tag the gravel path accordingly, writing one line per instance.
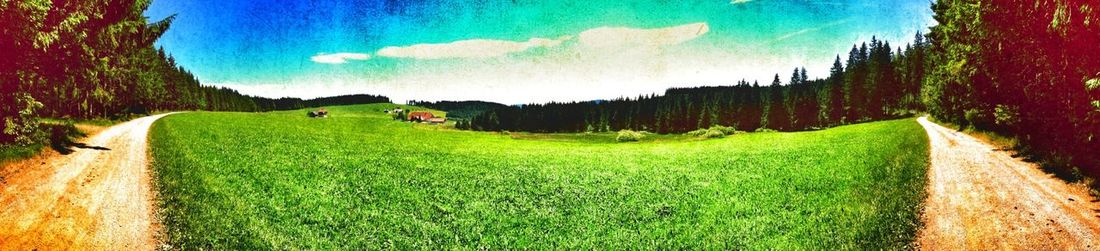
(99, 199)
(981, 198)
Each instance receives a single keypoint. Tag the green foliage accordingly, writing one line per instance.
(22, 129)
(877, 84)
(724, 130)
(712, 132)
(948, 88)
(464, 110)
(16, 152)
(462, 124)
(764, 129)
(697, 132)
(1094, 85)
(1016, 68)
(629, 136)
(1006, 115)
(401, 116)
(96, 59)
(360, 180)
(777, 116)
(977, 118)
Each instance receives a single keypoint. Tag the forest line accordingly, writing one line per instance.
(97, 59)
(875, 83)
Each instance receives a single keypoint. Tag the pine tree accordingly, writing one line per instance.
(853, 82)
(777, 116)
(836, 107)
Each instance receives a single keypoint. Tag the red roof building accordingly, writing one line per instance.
(421, 116)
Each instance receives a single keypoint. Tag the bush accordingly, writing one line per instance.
(1006, 115)
(629, 136)
(712, 132)
(23, 128)
(977, 118)
(725, 130)
(765, 129)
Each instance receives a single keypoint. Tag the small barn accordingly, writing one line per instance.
(420, 116)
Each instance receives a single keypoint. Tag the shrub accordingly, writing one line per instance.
(714, 133)
(23, 128)
(1006, 115)
(697, 133)
(725, 130)
(765, 129)
(977, 118)
(629, 136)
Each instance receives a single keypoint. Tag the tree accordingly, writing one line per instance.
(803, 104)
(881, 84)
(777, 116)
(836, 108)
(855, 76)
(805, 111)
(1019, 68)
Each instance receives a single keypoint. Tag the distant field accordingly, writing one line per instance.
(361, 180)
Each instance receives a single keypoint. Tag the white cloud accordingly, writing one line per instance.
(808, 30)
(474, 48)
(604, 62)
(338, 58)
(603, 37)
(740, 1)
(608, 37)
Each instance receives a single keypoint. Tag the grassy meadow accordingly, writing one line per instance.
(359, 180)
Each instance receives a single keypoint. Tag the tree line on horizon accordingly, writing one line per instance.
(1026, 69)
(96, 59)
(875, 82)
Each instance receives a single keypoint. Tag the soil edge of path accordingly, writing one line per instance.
(981, 198)
(100, 197)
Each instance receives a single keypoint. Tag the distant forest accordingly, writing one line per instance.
(875, 83)
(1026, 69)
(96, 59)
(460, 110)
(266, 104)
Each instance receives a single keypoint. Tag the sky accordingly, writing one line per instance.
(518, 51)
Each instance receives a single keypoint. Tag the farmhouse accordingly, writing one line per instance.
(420, 116)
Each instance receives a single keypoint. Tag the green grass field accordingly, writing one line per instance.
(360, 180)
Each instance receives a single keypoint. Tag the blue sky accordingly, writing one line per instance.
(517, 51)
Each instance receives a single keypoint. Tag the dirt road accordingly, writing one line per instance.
(981, 198)
(99, 197)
